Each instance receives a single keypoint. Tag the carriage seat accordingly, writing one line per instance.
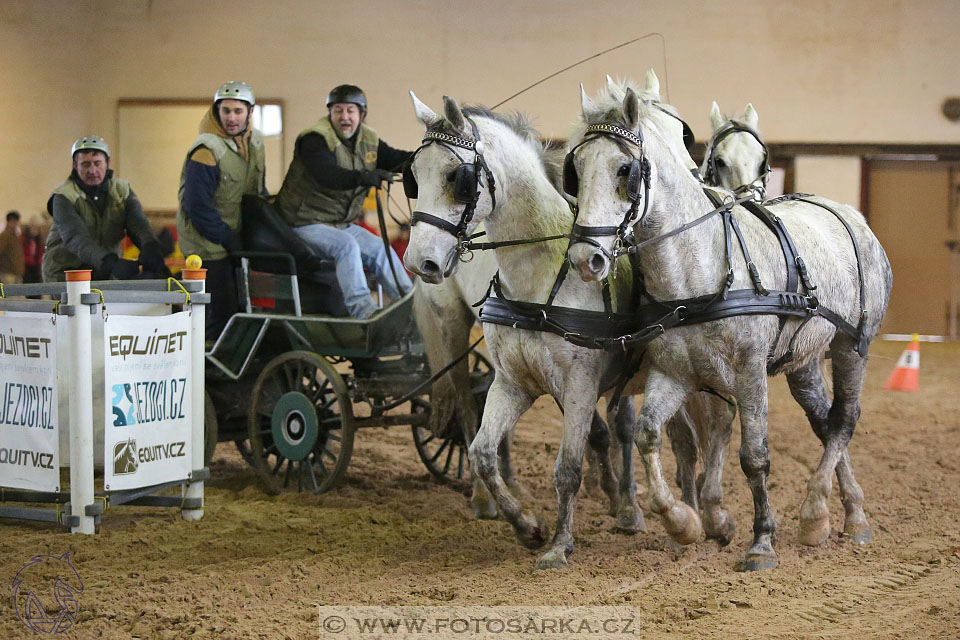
(266, 282)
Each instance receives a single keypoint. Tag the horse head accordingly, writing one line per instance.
(736, 156)
(454, 188)
(610, 171)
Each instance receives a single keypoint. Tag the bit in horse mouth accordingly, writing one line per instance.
(451, 264)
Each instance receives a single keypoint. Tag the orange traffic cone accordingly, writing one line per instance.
(906, 375)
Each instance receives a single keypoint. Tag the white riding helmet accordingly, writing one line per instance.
(235, 90)
(90, 143)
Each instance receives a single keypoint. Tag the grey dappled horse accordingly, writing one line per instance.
(524, 204)
(736, 157)
(445, 315)
(731, 355)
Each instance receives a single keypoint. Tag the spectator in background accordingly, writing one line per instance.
(92, 212)
(32, 254)
(11, 251)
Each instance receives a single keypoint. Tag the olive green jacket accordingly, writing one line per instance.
(302, 201)
(238, 176)
(84, 240)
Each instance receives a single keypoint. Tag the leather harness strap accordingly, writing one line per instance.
(605, 330)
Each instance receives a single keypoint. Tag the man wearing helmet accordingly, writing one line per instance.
(92, 212)
(335, 162)
(225, 162)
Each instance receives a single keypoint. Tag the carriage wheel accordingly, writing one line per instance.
(300, 424)
(446, 457)
(210, 429)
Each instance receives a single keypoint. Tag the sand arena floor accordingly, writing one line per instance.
(257, 566)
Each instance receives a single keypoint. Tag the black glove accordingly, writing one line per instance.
(374, 177)
(151, 257)
(119, 268)
(106, 267)
(231, 242)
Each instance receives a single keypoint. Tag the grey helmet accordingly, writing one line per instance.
(90, 143)
(235, 90)
(347, 93)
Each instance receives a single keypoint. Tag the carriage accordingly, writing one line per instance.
(291, 379)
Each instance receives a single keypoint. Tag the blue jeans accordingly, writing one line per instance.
(352, 249)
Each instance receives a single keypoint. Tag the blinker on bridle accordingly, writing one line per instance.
(466, 179)
(637, 185)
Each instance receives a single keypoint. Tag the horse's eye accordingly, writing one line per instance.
(721, 164)
(624, 170)
(452, 176)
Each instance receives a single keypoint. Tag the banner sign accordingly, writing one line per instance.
(147, 417)
(29, 445)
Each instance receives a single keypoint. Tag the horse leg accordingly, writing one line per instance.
(835, 433)
(714, 419)
(755, 463)
(680, 430)
(629, 515)
(599, 441)
(808, 390)
(567, 473)
(505, 404)
(663, 397)
(506, 470)
(443, 316)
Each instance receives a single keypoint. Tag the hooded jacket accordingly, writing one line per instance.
(218, 170)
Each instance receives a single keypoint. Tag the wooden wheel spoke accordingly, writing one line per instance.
(439, 451)
(446, 465)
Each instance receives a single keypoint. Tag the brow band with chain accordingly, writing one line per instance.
(449, 139)
(626, 134)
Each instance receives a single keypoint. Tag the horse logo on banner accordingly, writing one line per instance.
(125, 457)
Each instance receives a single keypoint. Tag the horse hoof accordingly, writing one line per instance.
(858, 534)
(682, 523)
(552, 559)
(814, 532)
(535, 535)
(721, 529)
(485, 510)
(630, 522)
(760, 560)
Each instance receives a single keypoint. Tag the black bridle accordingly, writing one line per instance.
(637, 185)
(466, 180)
(712, 175)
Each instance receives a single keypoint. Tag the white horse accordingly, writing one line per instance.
(736, 157)
(524, 204)
(694, 268)
(445, 315)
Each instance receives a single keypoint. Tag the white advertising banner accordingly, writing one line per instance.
(29, 447)
(147, 418)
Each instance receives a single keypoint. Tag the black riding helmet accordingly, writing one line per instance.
(348, 93)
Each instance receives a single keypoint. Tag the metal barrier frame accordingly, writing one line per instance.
(76, 301)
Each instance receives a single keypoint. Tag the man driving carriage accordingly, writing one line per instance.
(335, 162)
(225, 162)
(92, 212)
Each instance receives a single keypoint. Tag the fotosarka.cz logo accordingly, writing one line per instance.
(45, 593)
